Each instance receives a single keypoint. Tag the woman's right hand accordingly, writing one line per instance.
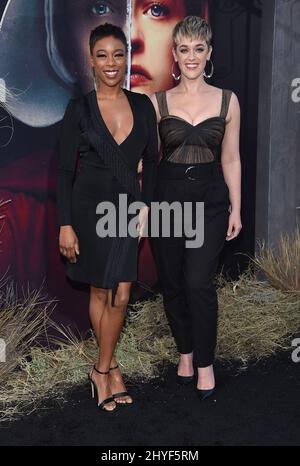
(68, 243)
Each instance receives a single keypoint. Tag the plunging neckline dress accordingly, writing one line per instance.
(106, 170)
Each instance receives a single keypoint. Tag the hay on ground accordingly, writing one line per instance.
(281, 268)
(256, 319)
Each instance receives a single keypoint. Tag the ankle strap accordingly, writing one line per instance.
(100, 372)
(112, 368)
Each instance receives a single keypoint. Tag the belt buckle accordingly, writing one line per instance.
(187, 171)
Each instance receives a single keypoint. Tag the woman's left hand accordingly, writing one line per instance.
(143, 215)
(234, 225)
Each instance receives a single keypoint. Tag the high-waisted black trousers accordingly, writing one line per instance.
(187, 274)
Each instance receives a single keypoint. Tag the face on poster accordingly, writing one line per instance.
(147, 24)
(54, 61)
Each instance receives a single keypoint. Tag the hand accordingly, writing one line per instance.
(234, 225)
(143, 215)
(68, 243)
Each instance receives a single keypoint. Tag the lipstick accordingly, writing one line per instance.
(139, 76)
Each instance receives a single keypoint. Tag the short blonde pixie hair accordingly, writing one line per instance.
(192, 27)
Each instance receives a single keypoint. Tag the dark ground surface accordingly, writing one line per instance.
(257, 407)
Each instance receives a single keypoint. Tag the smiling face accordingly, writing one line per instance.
(80, 17)
(151, 37)
(109, 61)
(191, 56)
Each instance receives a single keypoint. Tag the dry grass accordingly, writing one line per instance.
(146, 340)
(256, 319)
(281, 268)
(22, 320)
(33, 373)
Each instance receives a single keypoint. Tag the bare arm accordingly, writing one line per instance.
(231, 165)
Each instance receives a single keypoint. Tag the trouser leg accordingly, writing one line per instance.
(169, 255)
(200, 266)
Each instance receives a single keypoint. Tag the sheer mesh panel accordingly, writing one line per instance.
(185, 143)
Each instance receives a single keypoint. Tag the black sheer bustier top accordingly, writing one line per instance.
(184, 143)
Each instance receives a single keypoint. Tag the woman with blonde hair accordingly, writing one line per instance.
(196, 120)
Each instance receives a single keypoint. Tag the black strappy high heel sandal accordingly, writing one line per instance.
(117, 395)
(101, 404)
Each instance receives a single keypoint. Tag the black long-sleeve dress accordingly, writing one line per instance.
(106, 170)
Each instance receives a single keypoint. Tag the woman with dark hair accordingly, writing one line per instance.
(150, 22)
(195, 121)
(111, 128)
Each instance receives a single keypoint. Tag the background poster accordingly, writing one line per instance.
(43, 62)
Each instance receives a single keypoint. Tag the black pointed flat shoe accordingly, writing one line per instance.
(184, 380)
(204, 394)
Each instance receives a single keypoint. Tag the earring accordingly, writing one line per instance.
(211, 71)
(174, 75)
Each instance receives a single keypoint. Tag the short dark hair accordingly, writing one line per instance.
(106, 30)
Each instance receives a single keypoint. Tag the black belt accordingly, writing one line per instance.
(182, 171)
